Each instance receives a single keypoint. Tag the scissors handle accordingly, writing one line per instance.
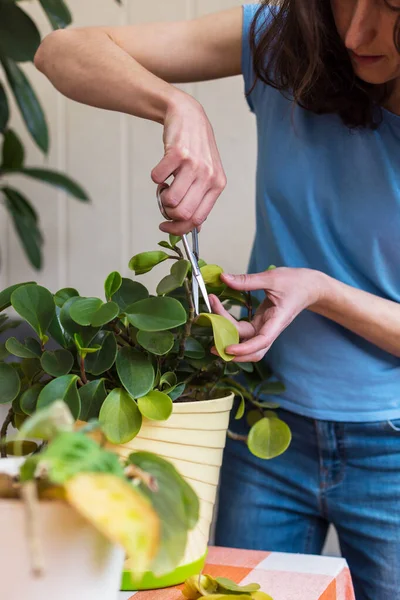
(160, 189)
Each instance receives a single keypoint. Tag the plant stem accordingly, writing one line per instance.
(83, 372)
(249, 305)
(189, 322)
(237, 437)
(3, 432)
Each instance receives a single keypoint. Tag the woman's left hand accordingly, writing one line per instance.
(288, 292)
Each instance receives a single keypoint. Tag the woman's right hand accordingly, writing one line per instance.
(191, 156)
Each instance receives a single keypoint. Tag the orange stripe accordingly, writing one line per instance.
(330, 592)
(236, 574)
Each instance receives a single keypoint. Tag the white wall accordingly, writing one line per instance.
(112, 156)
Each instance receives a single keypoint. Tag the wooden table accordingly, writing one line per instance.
(283, 576)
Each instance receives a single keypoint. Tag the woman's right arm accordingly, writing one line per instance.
(131, 69)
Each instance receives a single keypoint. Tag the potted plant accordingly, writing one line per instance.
(69, 513)
(141, 363)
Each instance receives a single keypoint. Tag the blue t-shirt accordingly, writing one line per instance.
(328, 198)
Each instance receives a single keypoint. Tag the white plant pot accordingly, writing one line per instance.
(193, 440)
(79, 563)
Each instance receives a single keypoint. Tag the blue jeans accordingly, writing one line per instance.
(347, 474)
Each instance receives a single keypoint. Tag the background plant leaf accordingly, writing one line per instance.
(57, 12)
(54, 178)
(103, 360)
(19, 36)
(129, 293)
(145, 261)
(92, 396)
(28, 103)
(112, 284)
(12, 152)
(4, 109)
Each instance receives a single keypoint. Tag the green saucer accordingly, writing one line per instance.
(151, 582)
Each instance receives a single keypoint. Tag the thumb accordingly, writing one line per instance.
(252, 282)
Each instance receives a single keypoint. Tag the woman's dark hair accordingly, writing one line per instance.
(301, 54)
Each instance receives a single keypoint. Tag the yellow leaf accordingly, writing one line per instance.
(120, 512)
(225, 332)
(211, 275)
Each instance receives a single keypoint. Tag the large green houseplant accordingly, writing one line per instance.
(69, 511)
(142, 364)
(134, 355)
(19, 40)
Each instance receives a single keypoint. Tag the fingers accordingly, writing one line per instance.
(172, 160)
(251, 282)
(244, 328)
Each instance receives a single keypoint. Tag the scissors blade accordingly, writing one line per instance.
(202, 286)
(195, 294)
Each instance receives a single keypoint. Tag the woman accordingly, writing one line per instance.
(322, 77)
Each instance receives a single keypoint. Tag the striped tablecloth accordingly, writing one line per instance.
(283, 576)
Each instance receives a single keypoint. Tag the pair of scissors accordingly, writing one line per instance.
(192, 254)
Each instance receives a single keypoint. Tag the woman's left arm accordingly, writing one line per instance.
(290, 291)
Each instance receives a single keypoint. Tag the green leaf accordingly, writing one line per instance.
(174, 239)
(28, 103)
(247, 367)
(34, 346)
(15, 347)
(3, 351)
(83, 310)
(145, 261)
(269, 438)
(226, 585)
(129, 293)
(4, 109)
(31, 367)
(57, 363)
(253, 416)
(179, 271)
(176, 504)
(13, 151)
(93, 312)
(212, 275)
(54, 178)
(87, 333)
(155, 406)
(25, 223)
(156, 342)
(57, 332)
(105, 314)
(19, 36)
(168, 380)
(271, 387)
(29, 398)
(64, 388)
(92, 397)
(5, 295)
(120, 417)
(225, 332)
(81, 346)
(112, 284)
(9, 383)
(157, 314)
(63, 295)
(241, 407)
(193, 348)
(57, 12)
(35, 304)
(103, 360)
(177, 391)
(164, 244)
(135, 372)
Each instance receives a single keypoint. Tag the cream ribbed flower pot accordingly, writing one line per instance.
(193, 440)
(79, 563)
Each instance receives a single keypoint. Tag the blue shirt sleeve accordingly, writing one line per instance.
(249, 12)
